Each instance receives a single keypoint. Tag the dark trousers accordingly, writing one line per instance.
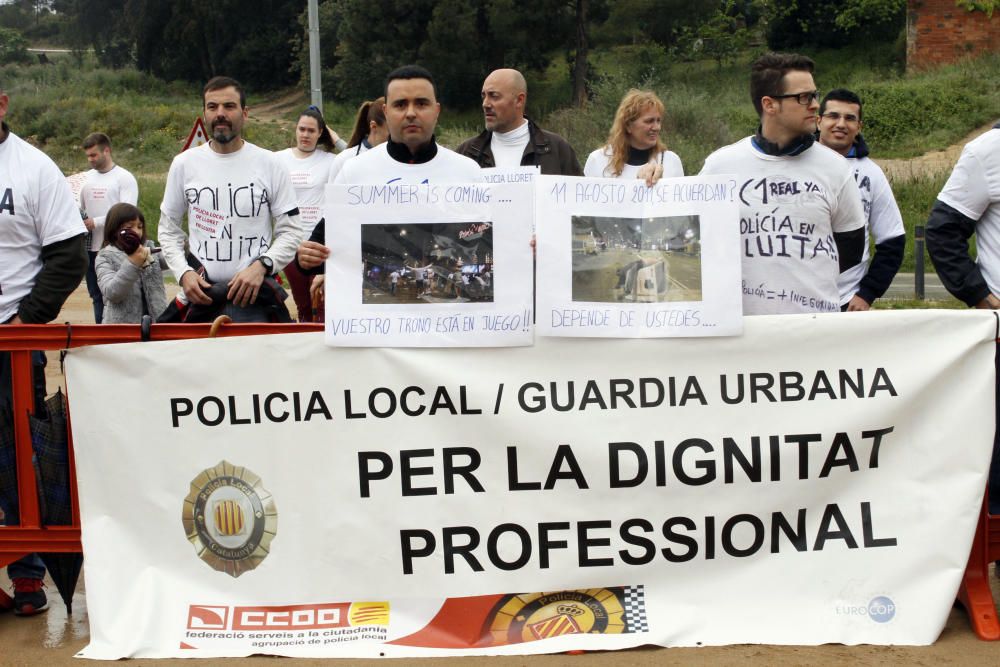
(30, 566)
(993, 486)
(93, 290)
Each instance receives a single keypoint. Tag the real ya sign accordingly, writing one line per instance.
(429, 265)
(577, 494)
(618, 258)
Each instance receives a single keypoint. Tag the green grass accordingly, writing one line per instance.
(916, 196)
(905, 304)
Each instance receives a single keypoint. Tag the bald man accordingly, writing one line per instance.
(510, 139)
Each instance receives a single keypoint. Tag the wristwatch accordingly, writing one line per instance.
(268, 264)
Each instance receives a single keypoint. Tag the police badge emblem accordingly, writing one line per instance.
(533, 616)
(230, 518)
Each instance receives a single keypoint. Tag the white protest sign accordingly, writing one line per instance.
(511, 174)
(429, 265)
(574, 494)
(618, 258)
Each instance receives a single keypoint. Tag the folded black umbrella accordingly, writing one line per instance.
(50, 443)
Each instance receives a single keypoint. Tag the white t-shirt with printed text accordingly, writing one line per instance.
(309, 178)
(973, 189)
(790, 208)
(102, 191)
(884, 220)
(230, 200)
(37, 209)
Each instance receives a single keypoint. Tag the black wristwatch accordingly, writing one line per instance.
(268, 264)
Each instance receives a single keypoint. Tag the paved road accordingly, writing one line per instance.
(903, 287)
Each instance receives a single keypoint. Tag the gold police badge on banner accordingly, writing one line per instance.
(533, 616)
(230, 518)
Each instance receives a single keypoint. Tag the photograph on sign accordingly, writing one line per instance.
(637, 260)
(620, 259)
(427, 263)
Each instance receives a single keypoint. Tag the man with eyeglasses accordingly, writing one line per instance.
(840, 122)
(801, 219)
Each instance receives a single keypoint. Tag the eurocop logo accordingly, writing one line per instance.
(881, 609)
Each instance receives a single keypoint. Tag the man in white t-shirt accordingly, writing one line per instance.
(242, 214)
(105, 185)
(801, 219)
(411, 155)
(969, 204)
(840, 123)
(42, 260)
(512, 140)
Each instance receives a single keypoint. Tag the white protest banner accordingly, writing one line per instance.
(577, 494)
(429, 265)
(617, 258)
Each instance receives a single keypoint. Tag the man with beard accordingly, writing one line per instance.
(106, 184)
(801, 220)
(511, 139)
(241, 208)
(840, 122)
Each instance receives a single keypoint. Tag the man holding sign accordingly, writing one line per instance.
(801, 218)
(410, 156)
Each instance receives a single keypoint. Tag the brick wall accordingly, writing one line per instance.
(939, 32)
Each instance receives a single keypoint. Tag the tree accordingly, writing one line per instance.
(457, 40)
(831, 23)
(13, 47)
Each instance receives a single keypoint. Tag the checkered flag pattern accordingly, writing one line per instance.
(634, 603)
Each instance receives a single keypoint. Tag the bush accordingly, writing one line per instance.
(13, 47)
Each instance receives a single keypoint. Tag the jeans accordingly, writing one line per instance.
(93, 290)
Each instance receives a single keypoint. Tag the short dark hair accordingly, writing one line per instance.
(767, 72)
(117, 216)
(409, 72)
(96, 139)
(841, 95)
(220, 82)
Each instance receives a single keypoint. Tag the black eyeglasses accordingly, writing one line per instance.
(805, 99)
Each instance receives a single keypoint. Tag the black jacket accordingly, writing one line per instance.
(545, 149)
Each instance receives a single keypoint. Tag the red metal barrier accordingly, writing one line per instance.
(30, 536)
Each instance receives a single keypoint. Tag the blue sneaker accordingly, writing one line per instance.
(29, 598)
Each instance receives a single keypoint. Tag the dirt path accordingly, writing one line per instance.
(275, 109)
(933, 162)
